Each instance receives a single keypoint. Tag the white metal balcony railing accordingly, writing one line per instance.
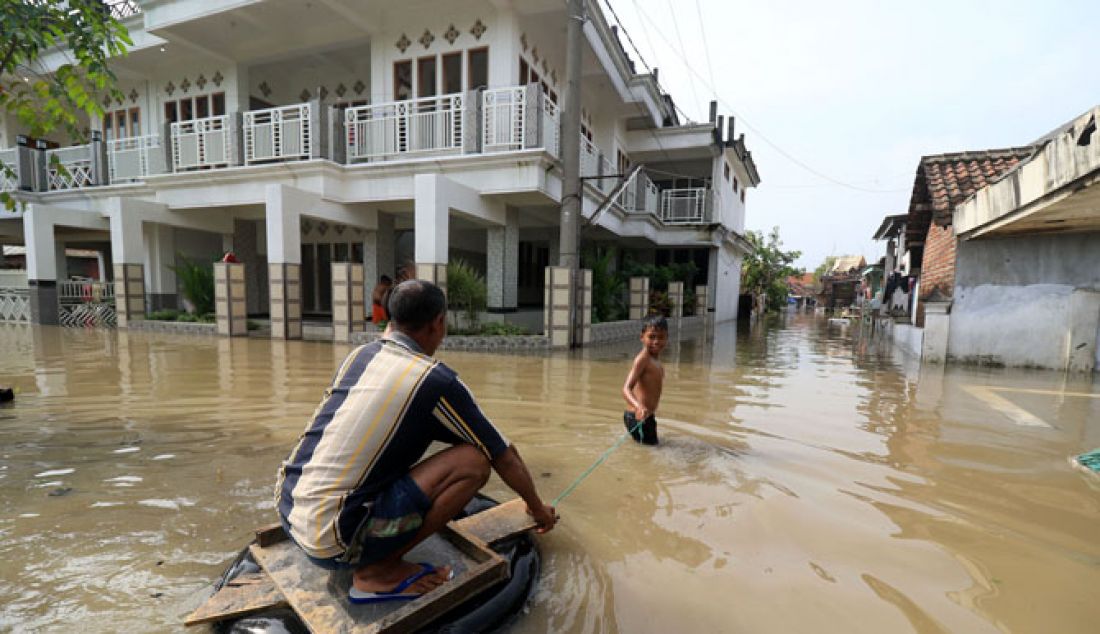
(590, 158)
(85, 291)
(685, 206)
(405, 128)
(202, 143)
(641, 195)
(276, 134)
(551, 130)
(15, 304)
(134, 158)
(76, 167)
(9, 179)
(502, 119)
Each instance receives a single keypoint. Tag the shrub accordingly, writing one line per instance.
(197, 283)
(466, 291)
(607, 286)
(500, 328)
(163, 315)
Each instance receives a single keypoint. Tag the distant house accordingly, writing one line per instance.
(943, 181)
(802, 289)
(1026, 289)
(841, 282)
(1005, 245)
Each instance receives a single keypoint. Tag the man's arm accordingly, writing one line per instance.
(641, 362)
(511, 468)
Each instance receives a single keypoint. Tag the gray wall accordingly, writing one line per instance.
(1013, 298)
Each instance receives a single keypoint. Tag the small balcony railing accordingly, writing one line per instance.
(278, 134)
(503, 120)
(685, 206)
(397, 129)
(134, 158)
(9, 177)
(203, 143)
(641, 195)
(75, 170)
(590, 159)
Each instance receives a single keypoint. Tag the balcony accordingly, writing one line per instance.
(398, 129)
(9, 177)
(278, 134)
(203, 143)
(69, 168)
(133, 158)
(687, 206)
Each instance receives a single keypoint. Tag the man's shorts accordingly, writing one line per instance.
(395, 517)
(646, 433)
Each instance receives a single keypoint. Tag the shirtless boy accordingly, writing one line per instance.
(642, 390)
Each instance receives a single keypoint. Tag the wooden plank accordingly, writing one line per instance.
(242, 595)
(498, 523)
(319, 596)
(271, 534)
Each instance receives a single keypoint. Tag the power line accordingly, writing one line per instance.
(683, 52)
(687, 65)
(706, 46)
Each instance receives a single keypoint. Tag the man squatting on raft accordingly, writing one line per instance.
(353, 494)
(643, 386)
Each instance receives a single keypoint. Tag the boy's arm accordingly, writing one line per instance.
(641, 362)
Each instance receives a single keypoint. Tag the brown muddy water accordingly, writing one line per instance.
(807, 481)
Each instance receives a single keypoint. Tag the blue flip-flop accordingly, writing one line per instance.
(398, 593)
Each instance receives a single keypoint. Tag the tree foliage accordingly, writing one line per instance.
(85, 35)
(197, 283)
(766, 268)
(466, 292)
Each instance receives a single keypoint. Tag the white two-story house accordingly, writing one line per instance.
(300, 133)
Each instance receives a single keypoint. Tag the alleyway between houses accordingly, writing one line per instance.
(807, 481)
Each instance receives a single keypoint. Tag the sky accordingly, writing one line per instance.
(839, 100)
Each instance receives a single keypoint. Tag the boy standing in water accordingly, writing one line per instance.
(642, 389)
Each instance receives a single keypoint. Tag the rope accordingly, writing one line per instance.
(599, 461)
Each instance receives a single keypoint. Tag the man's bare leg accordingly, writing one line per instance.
(450, 479)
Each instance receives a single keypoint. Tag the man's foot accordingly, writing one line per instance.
(402, 580)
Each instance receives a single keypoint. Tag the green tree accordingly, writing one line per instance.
(766, 268)
(197, 283)
(44, 100)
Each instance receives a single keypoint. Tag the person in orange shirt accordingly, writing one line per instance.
(378, 296)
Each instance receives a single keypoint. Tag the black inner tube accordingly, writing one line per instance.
(491, 610)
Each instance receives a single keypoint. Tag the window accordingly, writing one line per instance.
(122, 123)
(735, 184)
(742, 194)
(452, 73)
(477, 61)
(425, 77)
(402, 80)
(726, 171)
(196, 107)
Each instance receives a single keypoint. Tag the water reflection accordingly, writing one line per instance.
(809, 478)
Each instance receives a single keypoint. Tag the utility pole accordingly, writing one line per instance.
(571, 138)
(571, 161)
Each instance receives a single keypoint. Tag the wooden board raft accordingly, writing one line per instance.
(319, 596)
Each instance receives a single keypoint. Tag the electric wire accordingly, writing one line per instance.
(692, 72)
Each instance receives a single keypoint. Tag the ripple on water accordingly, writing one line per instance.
(54, 472)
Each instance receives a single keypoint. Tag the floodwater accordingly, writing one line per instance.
(806, 481)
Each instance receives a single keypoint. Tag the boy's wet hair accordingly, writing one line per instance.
(655, 321)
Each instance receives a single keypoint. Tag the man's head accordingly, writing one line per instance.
(385, 280)
(419, 310)
(654, 334)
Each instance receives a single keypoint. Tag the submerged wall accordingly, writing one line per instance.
(1027, 301)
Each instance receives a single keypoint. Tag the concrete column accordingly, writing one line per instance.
(160, 257)
(230, 299)
(101, 265)
(387, 245)
(558, 306)
(348, 307)
(1082, 331)
(583, 331)
(432, 230)
(129, 293)
(371, 270)
(712, 280)
(937, 328)
(639, 297)
(285, 283)
(565, 327)
(284, 207)
(676, 299)
(502, 258)
(701, 300)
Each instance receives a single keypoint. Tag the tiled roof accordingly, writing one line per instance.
(946, 180)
